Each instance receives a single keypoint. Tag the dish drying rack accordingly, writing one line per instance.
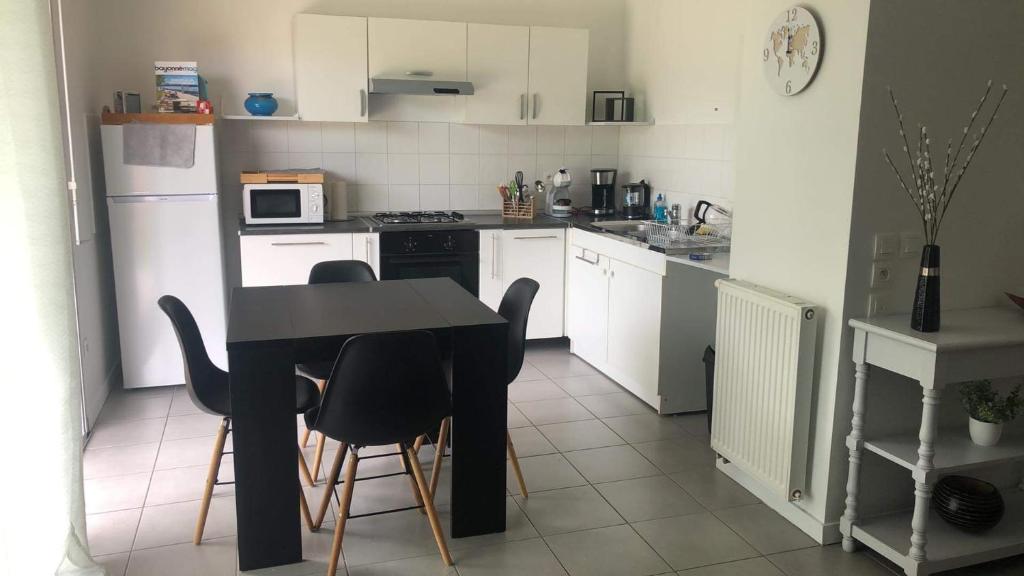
(667, 235)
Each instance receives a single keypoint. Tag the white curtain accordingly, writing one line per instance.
(42, 511)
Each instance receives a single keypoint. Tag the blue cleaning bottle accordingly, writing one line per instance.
(660, 210)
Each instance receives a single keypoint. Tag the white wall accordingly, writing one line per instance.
(795, 164)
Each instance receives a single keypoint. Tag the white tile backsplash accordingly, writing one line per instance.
(418, 165)
(304, 137)
(434, 168)
(403, 138)
(434, 138)
(372, 137)
(403, 169)
(687, 162)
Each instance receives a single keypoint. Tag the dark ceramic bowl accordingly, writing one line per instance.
(1018, 300)
(968, 503)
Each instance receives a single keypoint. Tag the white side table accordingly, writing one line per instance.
(973, 344)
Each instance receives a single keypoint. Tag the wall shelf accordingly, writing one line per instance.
(261, 118)
(639, 123)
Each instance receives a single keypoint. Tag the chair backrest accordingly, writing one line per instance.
(201, 374)
(385, 388)
(515, 307)
(341, 271)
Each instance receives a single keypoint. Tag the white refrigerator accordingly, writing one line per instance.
(166, 239)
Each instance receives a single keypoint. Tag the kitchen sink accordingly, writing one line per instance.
(636, 232)
(631, 228)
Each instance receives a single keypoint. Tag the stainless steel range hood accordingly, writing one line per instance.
(419, 84)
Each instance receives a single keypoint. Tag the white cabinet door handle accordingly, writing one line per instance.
(298, 243)
(367, 241)
(362, 103)
(494, 258)
(534, 105)
(588, 261)
(534, 237)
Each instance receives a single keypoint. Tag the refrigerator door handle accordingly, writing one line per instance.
(184, 198)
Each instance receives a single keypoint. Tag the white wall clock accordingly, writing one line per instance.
(792, 51)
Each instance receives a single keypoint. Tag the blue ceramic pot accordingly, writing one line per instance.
(261, 104)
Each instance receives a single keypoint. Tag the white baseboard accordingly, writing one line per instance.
(822, 533)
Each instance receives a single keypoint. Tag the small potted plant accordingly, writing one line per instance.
(988, 410)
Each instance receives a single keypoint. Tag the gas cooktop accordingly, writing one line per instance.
(417, 217)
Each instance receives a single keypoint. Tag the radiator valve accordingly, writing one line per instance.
(796, 495)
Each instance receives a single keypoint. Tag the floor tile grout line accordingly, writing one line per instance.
(142, 511)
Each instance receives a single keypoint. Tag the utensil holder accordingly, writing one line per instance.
(518, 210)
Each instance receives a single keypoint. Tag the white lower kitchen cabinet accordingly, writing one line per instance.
(634, 329)
(283, 259)
(366, 247)
(586, 315)
(507, 255)
(490, 288)
(641, 320)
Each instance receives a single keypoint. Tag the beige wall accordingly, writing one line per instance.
(939, 76)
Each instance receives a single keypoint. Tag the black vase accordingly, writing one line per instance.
(925, 315)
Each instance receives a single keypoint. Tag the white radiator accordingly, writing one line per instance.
(764, 365)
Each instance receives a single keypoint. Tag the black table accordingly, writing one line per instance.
(270, 329)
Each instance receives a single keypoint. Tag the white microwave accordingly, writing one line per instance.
(283, 203)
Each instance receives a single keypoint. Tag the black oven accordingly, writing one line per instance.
(451, 254)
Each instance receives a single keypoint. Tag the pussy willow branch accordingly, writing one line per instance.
(948, 197)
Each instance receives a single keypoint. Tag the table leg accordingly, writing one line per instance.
(925, 456)
(265, 452)
(479, 413)
(855, 443)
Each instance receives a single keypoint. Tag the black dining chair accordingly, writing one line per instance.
(386, 389)
(515, 307)
(207, 386)
(328, 272)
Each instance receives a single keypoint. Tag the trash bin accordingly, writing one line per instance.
(709, 380)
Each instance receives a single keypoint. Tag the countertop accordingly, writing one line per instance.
(482, 221)
(360, 223)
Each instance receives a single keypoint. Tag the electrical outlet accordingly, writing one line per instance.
(910, 244)
(881, 275)
(886, 245)
(878, 304)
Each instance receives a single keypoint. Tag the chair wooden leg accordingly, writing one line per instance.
(346, 501)
(304, 508)
(428, 505)
(419, 443)
(211, 479)
(332, 480)
(304, 470)
(515, 464)
(410, 464)
(442, 440)
(318, 456)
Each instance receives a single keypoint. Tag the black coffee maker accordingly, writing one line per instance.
(636, 201)
(602, 192)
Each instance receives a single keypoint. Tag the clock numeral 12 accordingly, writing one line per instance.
(791, 15)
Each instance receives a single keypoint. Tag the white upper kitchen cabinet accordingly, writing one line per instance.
(286, 259)
(499, 68)
(538, 254)
(634, 329)
(331, 67)
(366, 247)
(417, 47)
(558, 76)
(587, 303)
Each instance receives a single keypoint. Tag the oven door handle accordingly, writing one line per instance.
(426, 258)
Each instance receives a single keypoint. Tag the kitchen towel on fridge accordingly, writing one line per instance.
(169, 145)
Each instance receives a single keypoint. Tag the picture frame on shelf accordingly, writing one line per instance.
(598, 108)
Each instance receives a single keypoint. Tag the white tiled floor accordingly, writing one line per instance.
(614, 489)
